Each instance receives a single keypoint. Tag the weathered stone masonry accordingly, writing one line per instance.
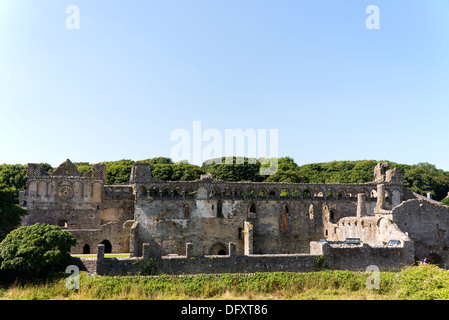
(261, 219)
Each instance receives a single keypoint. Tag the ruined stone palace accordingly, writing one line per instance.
(257, 218)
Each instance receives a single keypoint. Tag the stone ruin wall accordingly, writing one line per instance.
(426, 222)
(80, 204)
(286, 217)
(260, 218)
(353, 257)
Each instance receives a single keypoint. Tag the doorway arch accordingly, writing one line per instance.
(107, 246)
(218, 249)
(86, 249)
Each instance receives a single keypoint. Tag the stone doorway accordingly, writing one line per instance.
(107, 246)
(86, 249)
(218, 249)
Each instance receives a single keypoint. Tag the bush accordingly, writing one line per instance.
(445, 201)
(36, 250)
(425, 282)
(10, 213)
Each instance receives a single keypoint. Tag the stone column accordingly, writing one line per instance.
(247, 238)
(133, 239)
(145, 251)
(100, 253)
(380, 196)
(361, 205)
(231, 249)
(100, 259)
(189, 250)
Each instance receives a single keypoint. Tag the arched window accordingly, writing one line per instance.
(252, 211)
(142, 193)
(154, 193)
(307, 194)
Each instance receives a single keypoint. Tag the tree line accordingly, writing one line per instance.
(421, 178)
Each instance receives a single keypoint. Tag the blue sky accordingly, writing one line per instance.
(136, 71)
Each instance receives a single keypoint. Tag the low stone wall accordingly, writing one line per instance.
(336, 257)
(359, 257)
(86, 264)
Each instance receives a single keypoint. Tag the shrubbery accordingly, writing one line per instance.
(36, 250)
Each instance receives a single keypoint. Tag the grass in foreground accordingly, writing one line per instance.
(422, 282)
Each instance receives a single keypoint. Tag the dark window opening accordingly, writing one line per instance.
(219, 210)
(221, 252)
(252, 211)
(62, 223)
(252, 208)
(331, 214)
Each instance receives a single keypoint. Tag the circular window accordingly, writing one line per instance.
(65, 193)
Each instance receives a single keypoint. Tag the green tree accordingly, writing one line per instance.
(286, 172)
(234, 170)
(186, 172)
(38, 250)
(83, 167)
(158, 160)
(118, 172)
(162, 171)
(10, 213)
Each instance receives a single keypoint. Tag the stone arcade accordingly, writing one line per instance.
(256, 225)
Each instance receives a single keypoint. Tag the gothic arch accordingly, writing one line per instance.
(107, 246)
(218, 249)
(306, 194)
(142, 193)
(252, 211)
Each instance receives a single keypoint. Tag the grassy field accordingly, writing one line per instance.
(422, 282)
